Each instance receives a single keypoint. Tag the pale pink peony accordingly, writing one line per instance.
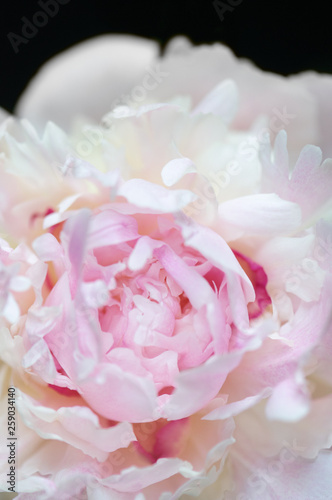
(165, 272)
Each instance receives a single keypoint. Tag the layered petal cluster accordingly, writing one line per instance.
(165, 278)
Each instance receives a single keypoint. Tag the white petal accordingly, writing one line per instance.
(289, 402)
(146, 194)
(175, 169)
(86, 79)
(20, 284)
(222, 101)
(11, 310)
(261, 214)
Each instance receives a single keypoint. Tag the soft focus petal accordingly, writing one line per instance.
(116, 64)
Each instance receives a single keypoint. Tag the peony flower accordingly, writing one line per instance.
(165, 270)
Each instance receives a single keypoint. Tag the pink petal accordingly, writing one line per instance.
(110, 228)
(77, 426)
(197, 386)
(119, 395)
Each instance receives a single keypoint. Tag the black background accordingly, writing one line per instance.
(281, 36)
